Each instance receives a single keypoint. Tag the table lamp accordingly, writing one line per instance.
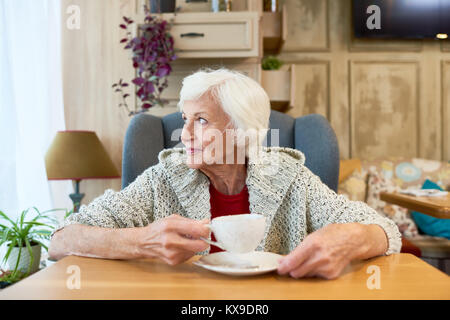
(78, 155)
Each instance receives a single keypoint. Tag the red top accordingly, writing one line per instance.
(222, 204)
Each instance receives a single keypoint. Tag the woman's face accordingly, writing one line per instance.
(205, 133)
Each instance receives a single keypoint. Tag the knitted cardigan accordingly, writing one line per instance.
(294, 201)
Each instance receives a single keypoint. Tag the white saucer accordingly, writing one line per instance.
(240, 264)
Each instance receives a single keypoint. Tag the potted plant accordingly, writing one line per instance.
(24, 240)
(152, 53)
(277, 82)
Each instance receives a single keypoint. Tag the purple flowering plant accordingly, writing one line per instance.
(152, 52)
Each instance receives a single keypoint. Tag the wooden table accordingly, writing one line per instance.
(438, 207)
(402, 276)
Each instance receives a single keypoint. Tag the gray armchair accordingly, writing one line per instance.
(147, 135)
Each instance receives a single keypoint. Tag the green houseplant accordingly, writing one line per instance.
(152, 52)
(271, 63)
(25, 238)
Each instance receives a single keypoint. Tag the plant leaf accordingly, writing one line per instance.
(10, 247)
(6, 235)
(43, 245)
(36, 223)
(138, 81)
(7, 218)
(22, 217)
(30, 252)
(41, 232)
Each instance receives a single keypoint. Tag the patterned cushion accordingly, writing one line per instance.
(347, 167)
(406, 173)
(378, 183)
(393, 174)
(354, 186)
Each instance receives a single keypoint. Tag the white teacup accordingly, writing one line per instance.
(238, 233)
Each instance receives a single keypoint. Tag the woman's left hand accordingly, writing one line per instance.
(325, 252)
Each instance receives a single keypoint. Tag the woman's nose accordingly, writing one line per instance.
(187, 133)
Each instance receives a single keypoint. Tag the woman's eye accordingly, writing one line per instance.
(202, 121)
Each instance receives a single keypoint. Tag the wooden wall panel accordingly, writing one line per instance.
(361, 45)
(446, 109)
(430, 115)
(312, 89)
(384, 108)
(445, 46)
(307, 25)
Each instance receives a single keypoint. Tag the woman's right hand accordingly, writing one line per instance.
(174, 239)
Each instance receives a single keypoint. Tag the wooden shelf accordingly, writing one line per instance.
(279, 86)
(274, 30)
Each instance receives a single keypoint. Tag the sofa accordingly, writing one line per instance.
(363, 180)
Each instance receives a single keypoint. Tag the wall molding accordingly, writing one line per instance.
(417, 105)
(445, 109)
(325, 48)
(326, 64)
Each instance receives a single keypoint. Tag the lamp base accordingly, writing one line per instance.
(76, 199)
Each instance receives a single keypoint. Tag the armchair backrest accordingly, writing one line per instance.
(147, 135)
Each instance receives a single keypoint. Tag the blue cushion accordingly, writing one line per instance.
(430, 225)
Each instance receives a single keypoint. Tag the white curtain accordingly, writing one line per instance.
(31, 104)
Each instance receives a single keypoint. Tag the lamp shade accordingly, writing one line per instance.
(78, 155)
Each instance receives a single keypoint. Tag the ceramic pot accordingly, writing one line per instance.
(24, 259)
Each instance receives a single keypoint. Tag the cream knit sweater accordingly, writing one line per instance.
(294, 201)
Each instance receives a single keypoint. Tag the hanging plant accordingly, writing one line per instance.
(152, 53)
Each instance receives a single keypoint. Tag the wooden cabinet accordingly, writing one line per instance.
(215, 35)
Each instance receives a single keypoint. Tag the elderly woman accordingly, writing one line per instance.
(163, 213)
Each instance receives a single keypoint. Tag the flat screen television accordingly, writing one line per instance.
(408, 19)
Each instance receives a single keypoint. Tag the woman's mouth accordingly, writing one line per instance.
(192, 150)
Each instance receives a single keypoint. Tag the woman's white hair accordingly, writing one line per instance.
(242, 98)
